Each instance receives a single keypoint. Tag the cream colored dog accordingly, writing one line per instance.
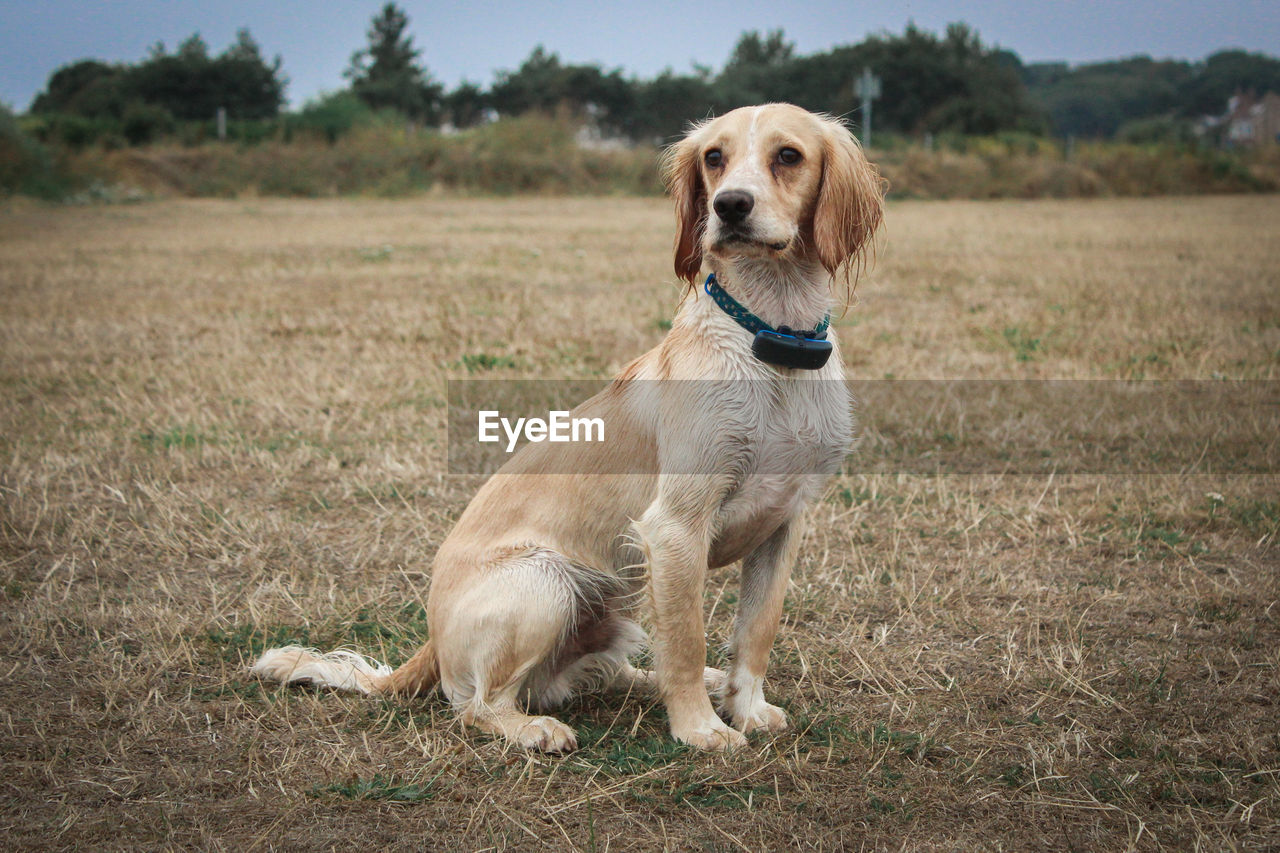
(531, 593)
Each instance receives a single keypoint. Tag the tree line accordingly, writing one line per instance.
(933, 84)
(1143, 99)
(148, 98)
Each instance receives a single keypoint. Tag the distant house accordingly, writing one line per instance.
(1251, 121)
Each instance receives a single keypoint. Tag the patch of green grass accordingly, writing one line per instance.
(880, 806)
(395, 492)
(389, 788)
(692, 787)
(908, 744)
(180, 437)
(1135, 367)
(1146, 532)
(1215, 611)
(1126, 746)
(1168, 535)
(1024, 346)
(1103, 579)
(627, 755)
(241, 688)
(608, 747)
(1014, 775)
(279, 442)
(1154, 687)
(246, 641)
(1259, 517)
(1106, 787)
(371, 625)
(831, 731)
(188, 437)
(480, 362)
(707, 794)
(849, 497)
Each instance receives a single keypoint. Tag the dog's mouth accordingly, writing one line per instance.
(736, 238)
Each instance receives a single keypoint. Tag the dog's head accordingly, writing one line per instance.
(772, 181)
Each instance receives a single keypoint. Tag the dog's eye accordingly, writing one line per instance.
(713, 158)
(788, 156)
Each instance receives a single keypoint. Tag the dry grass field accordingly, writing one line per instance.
(223, 428)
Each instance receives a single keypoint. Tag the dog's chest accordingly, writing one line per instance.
(804, 430)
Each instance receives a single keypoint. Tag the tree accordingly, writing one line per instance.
(667, 104)
(752, 50)
(951, 84)
(985, 91)
(1095, 100)
(1146, 98)
(331, 115)
(387, 74)
(194, 50)
(192, 86)
(466, 105)
(86, 88)
(544, 84)
(538, 84)
(756, 71)
(1227, 73)
(89, 100)
(250, 88)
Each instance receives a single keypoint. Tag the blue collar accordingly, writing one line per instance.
(751, 322)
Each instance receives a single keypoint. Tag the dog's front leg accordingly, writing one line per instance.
(765, 572)
(676, 537)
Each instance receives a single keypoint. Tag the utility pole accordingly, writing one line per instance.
(866, 87)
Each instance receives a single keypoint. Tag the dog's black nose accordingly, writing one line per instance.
(732, 206)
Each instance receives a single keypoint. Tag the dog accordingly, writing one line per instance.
(532, 592)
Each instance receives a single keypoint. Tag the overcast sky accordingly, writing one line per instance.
(316, 39)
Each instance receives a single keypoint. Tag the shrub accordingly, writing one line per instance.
(535, 154)
(332, 115)
(26, 166)
(145, 123)
(1163, 130)
(77, 132)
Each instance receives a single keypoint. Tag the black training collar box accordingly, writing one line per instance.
(790, 351)
(781, 347)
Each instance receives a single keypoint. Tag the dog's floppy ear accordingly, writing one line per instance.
(683, 173)
(850, 200)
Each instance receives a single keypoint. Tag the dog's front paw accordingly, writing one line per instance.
(744, 704)
(712, 735)
(762, 715)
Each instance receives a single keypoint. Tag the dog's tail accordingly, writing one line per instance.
(350, 671)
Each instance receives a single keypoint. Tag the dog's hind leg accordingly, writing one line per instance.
(632, 679)
(504, 718)
(501, 637)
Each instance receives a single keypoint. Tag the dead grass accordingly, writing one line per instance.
(223, 428)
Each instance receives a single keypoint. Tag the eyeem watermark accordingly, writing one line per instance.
(1074, 426)
(558, 426)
